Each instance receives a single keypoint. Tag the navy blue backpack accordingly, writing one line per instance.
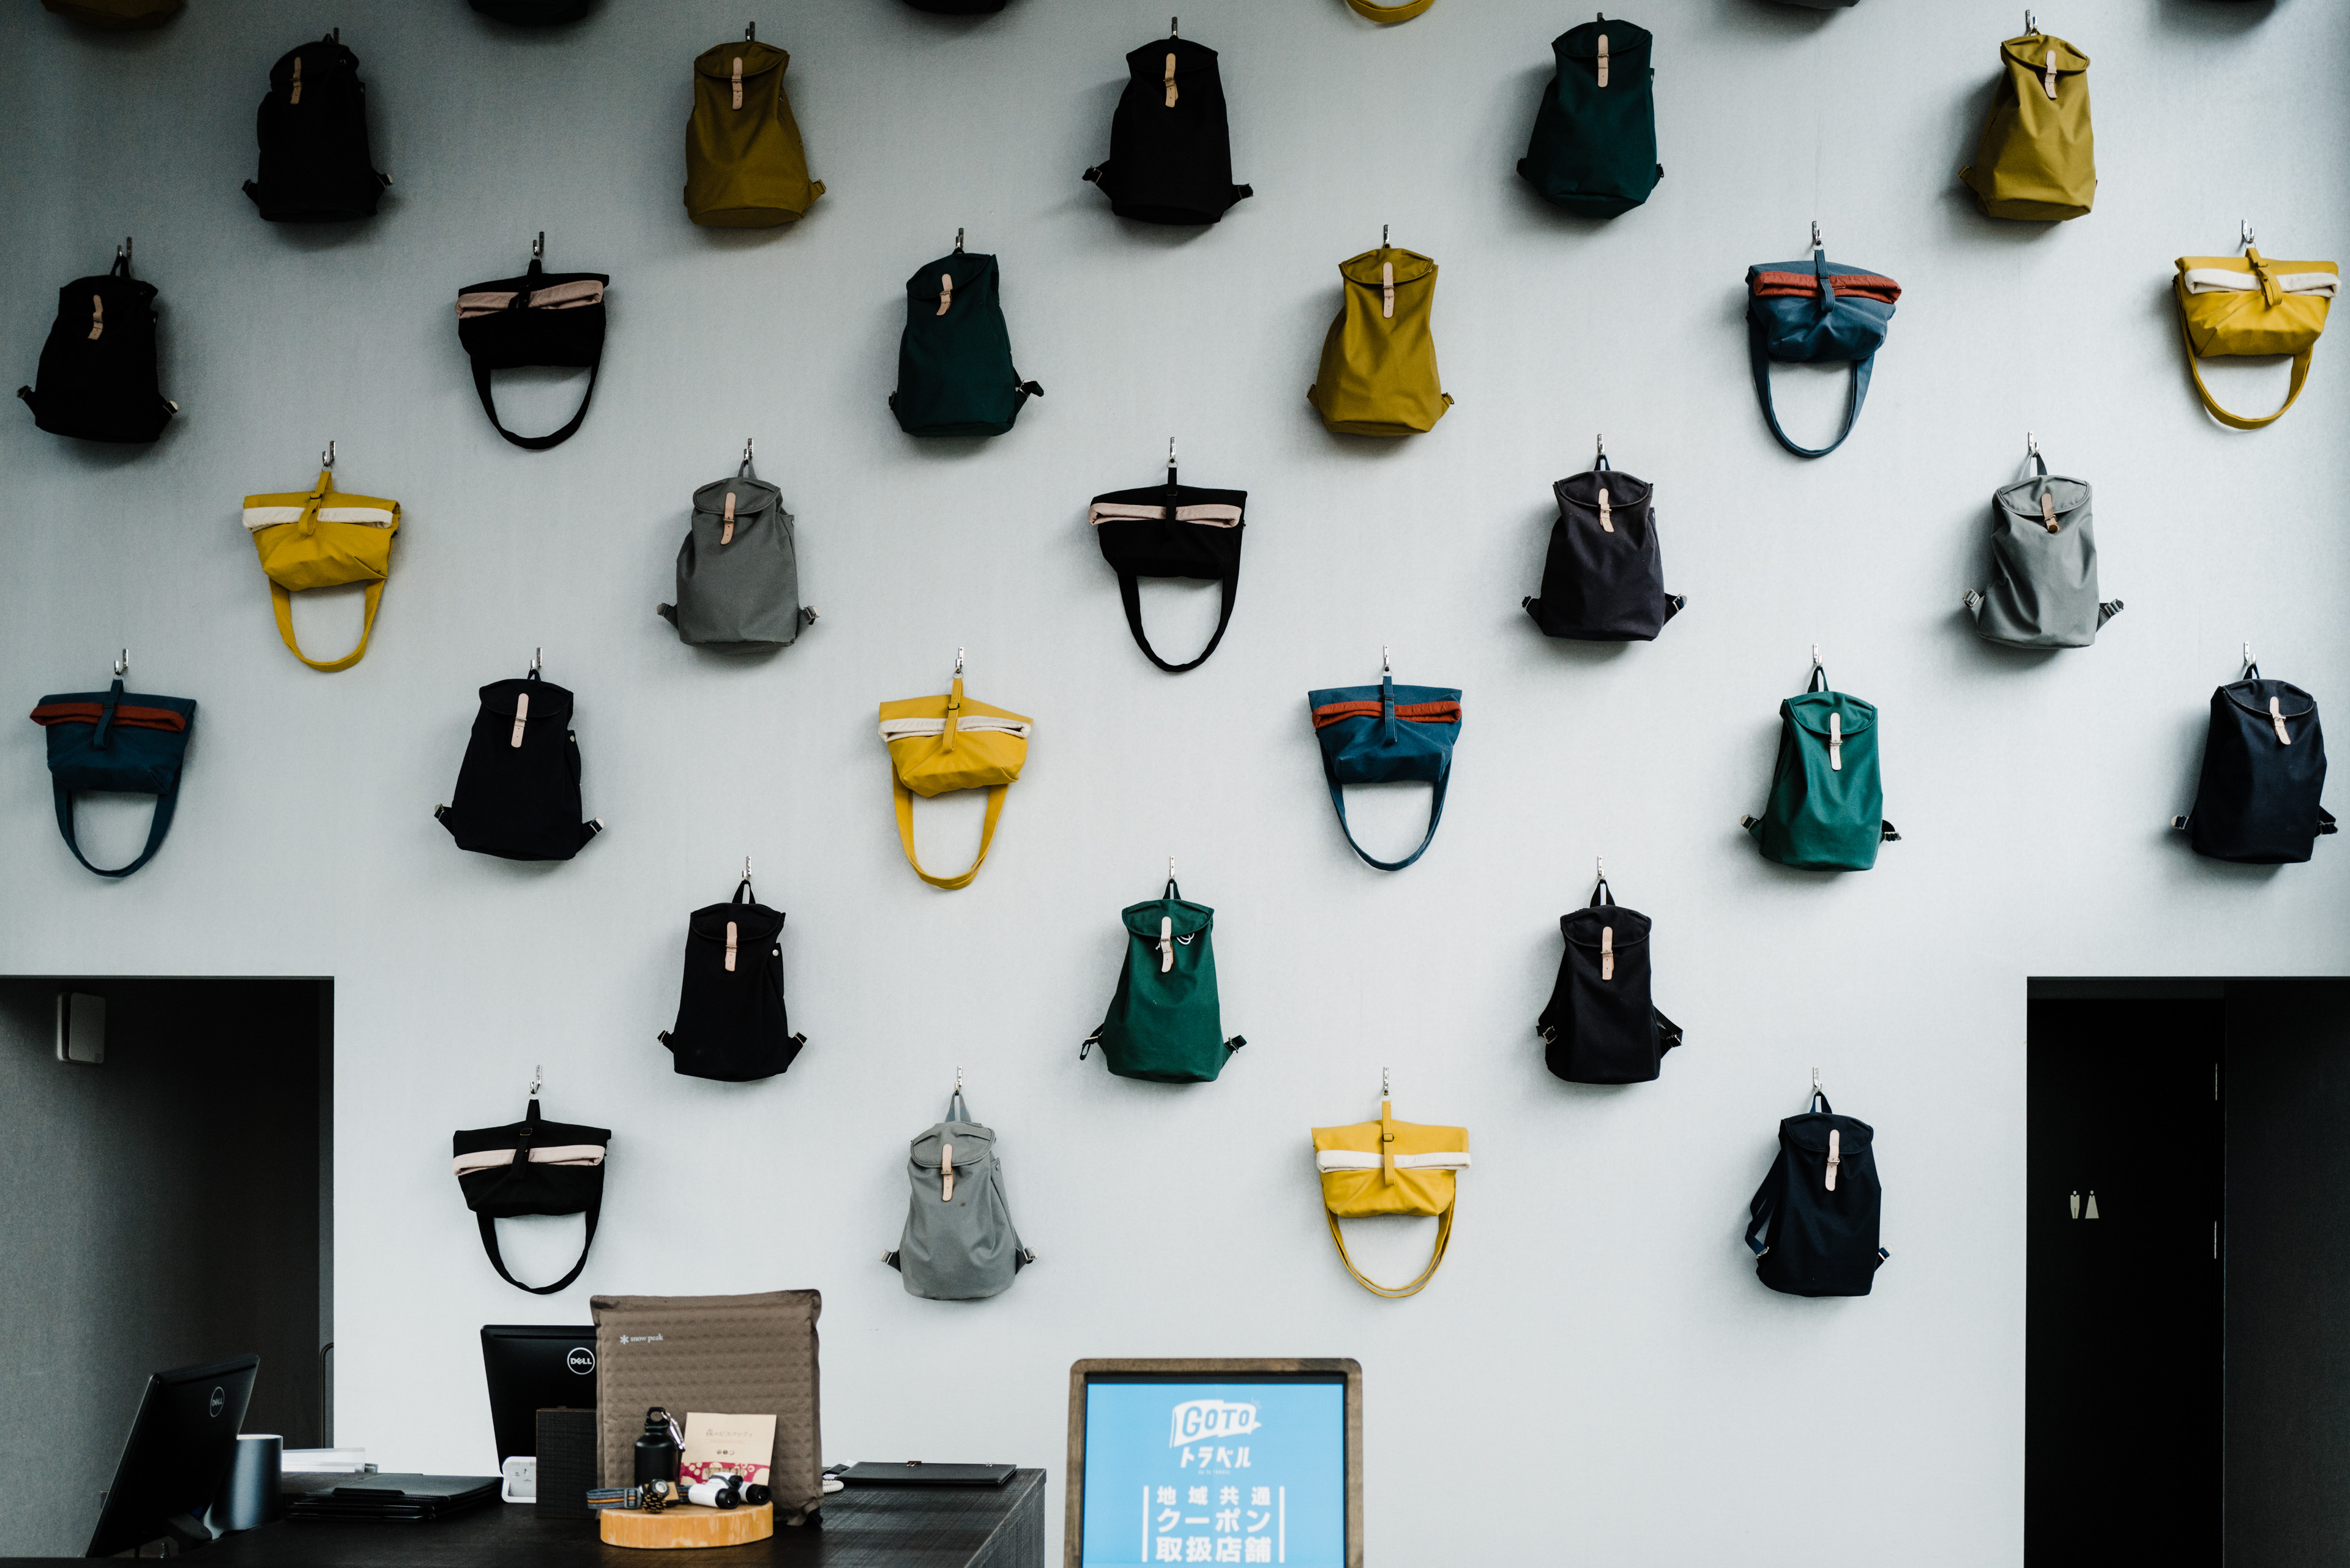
(121, 742)
(1816, 312)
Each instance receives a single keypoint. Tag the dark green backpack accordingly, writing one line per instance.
(956, 376)
(1164, 1024)
(1827, 797)
(1595, 144)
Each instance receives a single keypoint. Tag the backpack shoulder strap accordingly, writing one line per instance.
(1435, 817)
(1859, 394)
(284, 603)
(1765, 1206)
(1130, 593)
(2237, 421)
(1396, 1293)
(490, 1245)
(538, 443)
(995, 795)
(157, 827)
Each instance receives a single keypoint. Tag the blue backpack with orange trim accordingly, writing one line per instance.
(1387, 734)
(1815, 312)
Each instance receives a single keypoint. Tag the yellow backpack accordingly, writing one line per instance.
(940, 744)
(2037, 159)
(323, 539)
(744, 165)
(1390, 13)
(1388, 1167)
(1378, 361)
(2251, 306)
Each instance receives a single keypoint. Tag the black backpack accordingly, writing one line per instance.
(2264, 771)
(1170, 142)
(730, 1023)
(1171, 531)
(1601, 1026)
(315, 167)
(1814, 1217)
(518, 788)
(1604, 579)
(532, 1167)
(96, 378)
(540, 319)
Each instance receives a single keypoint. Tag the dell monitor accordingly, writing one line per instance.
(177, 1459)
(535, 1367)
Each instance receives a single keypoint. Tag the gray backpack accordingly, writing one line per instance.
(959, 1244)
(2044, 566)
(738, 572)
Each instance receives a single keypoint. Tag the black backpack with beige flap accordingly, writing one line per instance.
(731, 1021)
(97, 379)
(1170, 139)
(518, 788)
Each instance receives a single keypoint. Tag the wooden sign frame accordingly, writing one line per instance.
(1237, 1369)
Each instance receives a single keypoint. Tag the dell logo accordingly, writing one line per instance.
(219, 1401)
(582, 1360)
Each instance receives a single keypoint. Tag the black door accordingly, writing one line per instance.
(2124, 1320)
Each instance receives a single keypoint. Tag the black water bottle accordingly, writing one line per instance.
(657, 1450)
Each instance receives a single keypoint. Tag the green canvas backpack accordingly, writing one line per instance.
(955, 375)
(1827, 798)
(745, 166)
(1164, 1024)
(1594, 150)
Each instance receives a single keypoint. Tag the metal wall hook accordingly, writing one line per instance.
(2031, 23)
(958, 250)
(1815, 233)
(1383, 236)
(1601, 443)
(2030, 444)
(1170, 867)
(538, 247)
(1816, 658)
(537, 1077)
(2245, 233)
(748, 442)
(122, 665)
(1172, 30)
(1815, 1081)
(1387, 667)
(749, 32)
(958, 1080)
(326, 457)
(1601, 861)
(746, 869)
(1383, 1083)
(958, 661)
(537, 658)
(2248, 656)
(123, 251)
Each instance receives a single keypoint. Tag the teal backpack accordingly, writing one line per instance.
(1595, 144)
(1827, 797)
(1163, 1024)
(954, 362)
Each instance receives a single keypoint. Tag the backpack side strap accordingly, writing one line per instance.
(1396, 1292)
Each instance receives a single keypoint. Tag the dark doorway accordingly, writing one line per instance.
(2125, 1325)
(168, 1206)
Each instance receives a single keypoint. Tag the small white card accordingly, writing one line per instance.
(727, 1446)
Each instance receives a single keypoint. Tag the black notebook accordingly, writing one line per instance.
(417, 1499)
(914, 1472)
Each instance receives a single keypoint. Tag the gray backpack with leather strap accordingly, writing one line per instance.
(2043, 591)
(738, 571)
(959, 1244)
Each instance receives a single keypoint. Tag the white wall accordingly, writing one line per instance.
(1596, 1361)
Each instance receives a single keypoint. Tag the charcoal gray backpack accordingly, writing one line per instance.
(959, 1244)
(738, 572)
(2043, 591)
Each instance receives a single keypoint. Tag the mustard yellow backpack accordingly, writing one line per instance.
(1389, 14)
(1378, 361)
(940, 744)
(2037, 160)
(744, 165)
(2251, 306)
(323, 538)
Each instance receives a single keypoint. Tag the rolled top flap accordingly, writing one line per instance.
(757, 59)
(547, 700)
(1583, 927)
(1419, 704)
(1206, 515)
(546, 1134)
(1582, 488)
(1810, 1132)
(1368, 269)
(1148, 63)
(573, 292)
(966, 267)
(2023, 498)
(1326, 1161)
(1582, 42)
(1412, 1137)
(333, 506)
(2252, 697)
(134, 709)
(755, 925)
(750, 496)
(972, 714)
(1153, 500)
(2224, 275)
(1800, 279)
(2032, 51)
(541, 1153)
(1811, 710)
(1190, 919)
(972, 1143)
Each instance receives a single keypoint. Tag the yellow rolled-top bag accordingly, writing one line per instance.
(323, 539)
(1388, 1167)
(2249, 304)
(1390, 13)
(939, 744)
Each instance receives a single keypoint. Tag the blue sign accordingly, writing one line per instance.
(1215, 1472)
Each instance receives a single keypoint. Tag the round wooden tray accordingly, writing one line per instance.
(687, 1524)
